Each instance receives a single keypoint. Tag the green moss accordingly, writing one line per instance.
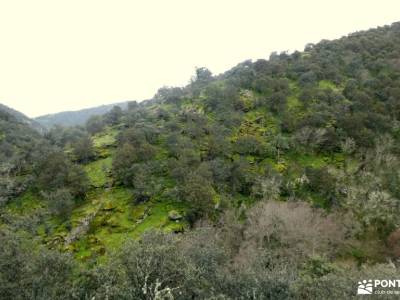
(90, 205)
(326, 84)
(308, 160)
(175, 227)
(118, 219)
(161, 154)
(25, 203)
(105, 221)
(105, 138)
(97, 171)
(293, 103)
(257, 123)
(82, 249)
(103, 153)
(280, 166)
(158, 217)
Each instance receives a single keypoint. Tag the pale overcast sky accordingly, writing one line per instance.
(60, 55)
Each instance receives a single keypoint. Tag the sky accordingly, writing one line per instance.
(58, 55)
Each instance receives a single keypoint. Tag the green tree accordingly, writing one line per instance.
(55, 171)
(198, 193)
(60, 202)
(83, 149)
(95, 124)
(114, 115)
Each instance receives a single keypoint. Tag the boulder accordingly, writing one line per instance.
(108, 206)
(174, 215)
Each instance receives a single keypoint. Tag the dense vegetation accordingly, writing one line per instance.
(21, 118)
(278, 179)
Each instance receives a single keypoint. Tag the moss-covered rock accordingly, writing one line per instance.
(174, 215)
(108, 206)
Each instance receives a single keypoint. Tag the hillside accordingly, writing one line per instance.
(278, 179)
(21, 118)
(75, 118)
(20, 144)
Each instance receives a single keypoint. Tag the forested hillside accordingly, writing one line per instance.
(21, 118)
(20, 146)
(278, 179)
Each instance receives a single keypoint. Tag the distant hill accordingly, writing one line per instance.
(21, 117)
(79, 117)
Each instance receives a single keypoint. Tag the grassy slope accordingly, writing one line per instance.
(117, 217)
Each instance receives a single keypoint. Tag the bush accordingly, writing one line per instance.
(95, 124)
(83, 149)
(60, 202)
(295, 228)
(249, 145)
(55, 171)
(29, 271)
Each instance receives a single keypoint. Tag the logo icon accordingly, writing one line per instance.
(365, 287)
